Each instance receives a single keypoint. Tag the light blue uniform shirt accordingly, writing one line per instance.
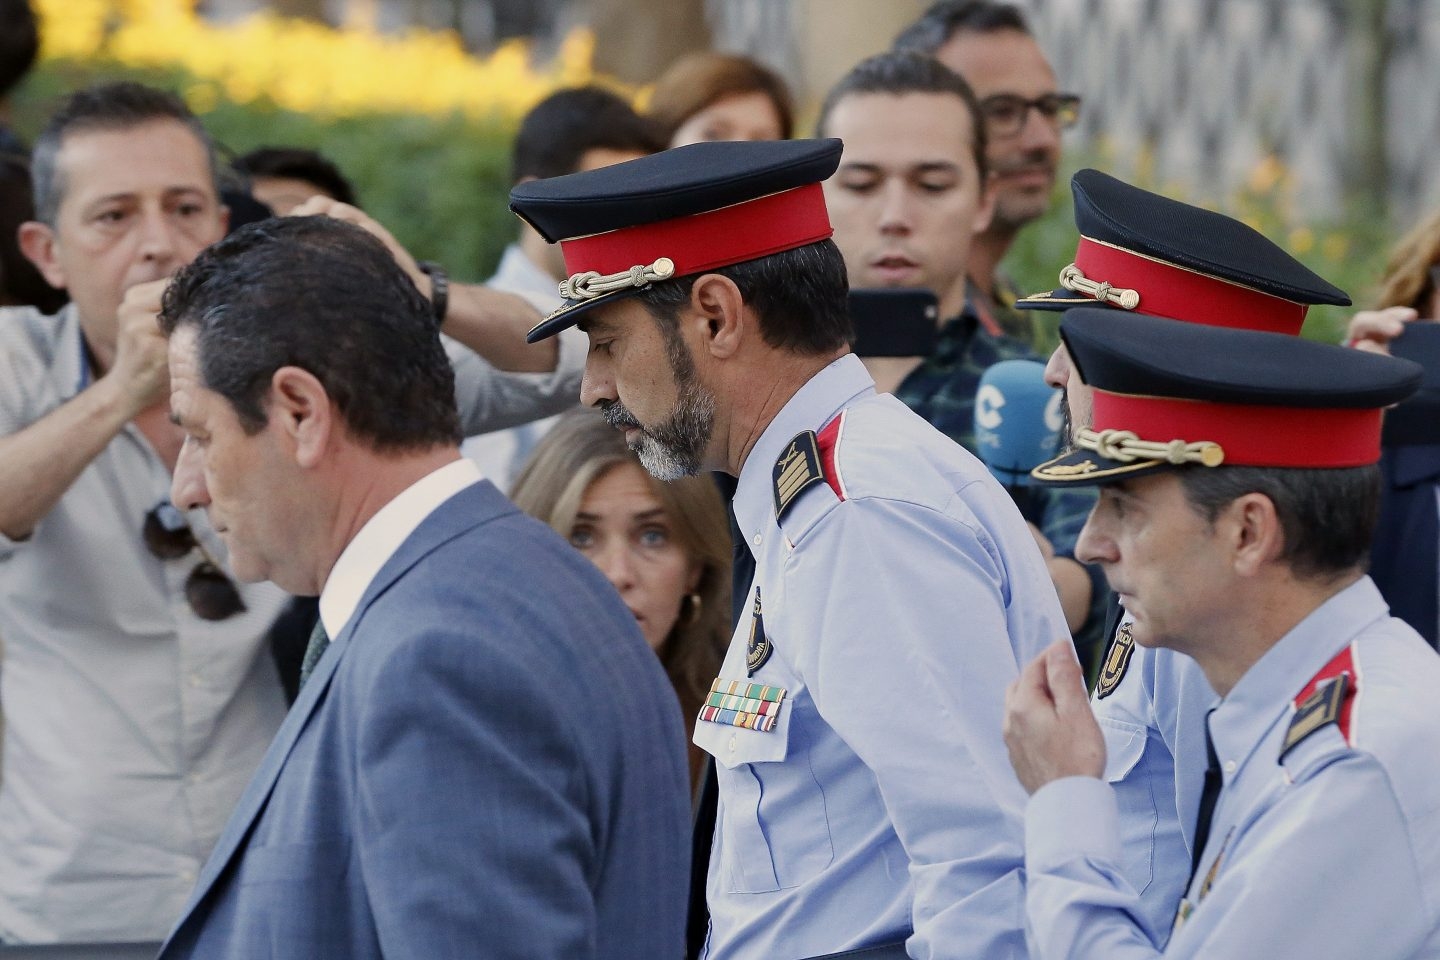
(1333, 852)
(882, 800)
(1154, 726)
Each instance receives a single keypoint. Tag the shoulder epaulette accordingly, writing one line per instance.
(1328, 698)
(808, 459)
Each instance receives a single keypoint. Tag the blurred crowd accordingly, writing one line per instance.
(146, 670)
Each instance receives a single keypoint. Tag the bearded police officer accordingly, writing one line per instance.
(865, 799)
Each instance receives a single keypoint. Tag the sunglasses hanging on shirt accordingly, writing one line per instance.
(210, 593)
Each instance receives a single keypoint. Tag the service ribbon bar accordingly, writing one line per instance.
(737, 703)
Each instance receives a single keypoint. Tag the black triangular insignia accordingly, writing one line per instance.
(1320, 708)
(759, 649)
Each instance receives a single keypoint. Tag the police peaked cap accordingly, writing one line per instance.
(676, 213)
(1171, 394)
(1143, 252)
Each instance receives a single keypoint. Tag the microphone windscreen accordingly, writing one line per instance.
(1017, 420)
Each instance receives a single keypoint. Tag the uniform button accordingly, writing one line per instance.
(193, 679)
(756, 540)
(732, 744)
(188, 876)
(1229, 766)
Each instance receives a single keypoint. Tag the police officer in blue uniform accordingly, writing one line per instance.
(1142, 251)
(865, 800)
(1238, 497)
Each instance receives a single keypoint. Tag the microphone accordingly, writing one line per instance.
(1017, 420)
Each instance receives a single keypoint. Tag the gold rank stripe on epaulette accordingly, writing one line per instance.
(797, 470)
(1328, 698)
(1117, 661)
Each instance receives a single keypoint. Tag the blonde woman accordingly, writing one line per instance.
(664, 546)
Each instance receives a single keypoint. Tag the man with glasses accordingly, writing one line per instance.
(138, 691)
(990, 45)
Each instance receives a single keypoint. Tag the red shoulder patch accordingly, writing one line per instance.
(828, 439)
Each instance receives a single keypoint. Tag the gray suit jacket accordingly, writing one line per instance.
(487, 762)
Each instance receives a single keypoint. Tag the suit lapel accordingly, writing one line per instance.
(470, 507)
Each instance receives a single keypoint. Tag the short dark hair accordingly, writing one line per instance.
(298, 163)
(948, 17)
(110, 106)
(19, 43)
(799, 296)
(326, 296)
(1328, 516)
(896, 74)
(557, 132)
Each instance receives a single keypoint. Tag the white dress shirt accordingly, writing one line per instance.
(382, 535)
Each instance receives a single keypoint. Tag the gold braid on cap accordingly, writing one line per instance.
(1126, 447)
(1073, 280)
(589, 285)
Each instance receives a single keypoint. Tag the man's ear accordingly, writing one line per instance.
(301, 409)
(37, 242)
(1257, 536)
(717, 306)
(989, 191)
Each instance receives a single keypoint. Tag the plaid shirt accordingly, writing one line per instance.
(942, 390)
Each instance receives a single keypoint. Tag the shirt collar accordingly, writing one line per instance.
(1265, 692)
(817, 402)
(382, 535)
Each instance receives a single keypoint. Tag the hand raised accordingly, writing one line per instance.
(1049, 729)
(141, 350)
(1373, 330)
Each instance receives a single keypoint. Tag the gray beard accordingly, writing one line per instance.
(673, 449)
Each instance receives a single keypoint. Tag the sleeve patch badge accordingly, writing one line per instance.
(1117, 661)
(758, 650)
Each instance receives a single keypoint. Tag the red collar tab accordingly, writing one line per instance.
(1179, 293)
(709, 240)
(1249, 435)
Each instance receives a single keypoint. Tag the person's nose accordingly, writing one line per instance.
(897, 215)
(614, 560)
(187, 486)
(1096, 544)
(597, 384)
(1057, 368)
(158, 242)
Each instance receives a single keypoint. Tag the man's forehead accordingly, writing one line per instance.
(909, 128)
(1001, 61)
(161, 154)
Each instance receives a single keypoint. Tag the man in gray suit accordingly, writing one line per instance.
(485, 760)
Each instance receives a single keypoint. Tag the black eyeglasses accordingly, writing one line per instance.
(211, 594)
(1005, 113)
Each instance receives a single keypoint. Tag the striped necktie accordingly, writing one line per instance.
(319, 640)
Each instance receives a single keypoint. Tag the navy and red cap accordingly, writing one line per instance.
(679, 212)
(1143, 252)
(1170, 394)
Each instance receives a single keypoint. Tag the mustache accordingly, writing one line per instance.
(618, 417)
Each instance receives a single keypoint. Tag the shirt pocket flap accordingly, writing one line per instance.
(731, 745)
(1124, 746)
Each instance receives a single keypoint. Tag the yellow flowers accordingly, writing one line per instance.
(307, 67)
